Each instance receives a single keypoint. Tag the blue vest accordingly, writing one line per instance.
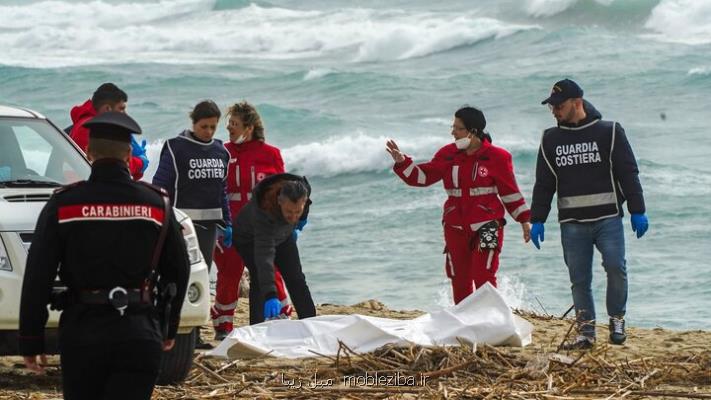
(200, 171)
(580, 159)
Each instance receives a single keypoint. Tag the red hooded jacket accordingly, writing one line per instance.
(479, 186)
(80, 135)
(250, 162)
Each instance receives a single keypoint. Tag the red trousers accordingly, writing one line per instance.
(229, 272)
(465, 264)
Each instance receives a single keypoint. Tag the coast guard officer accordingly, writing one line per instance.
(589, 163)
(112, 241)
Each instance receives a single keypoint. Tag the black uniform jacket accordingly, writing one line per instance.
(260, 224)
(100, 234)
(592, 168)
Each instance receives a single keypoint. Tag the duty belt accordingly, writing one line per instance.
(118, 297)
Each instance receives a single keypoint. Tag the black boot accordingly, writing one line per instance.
(617, 330)
(581, 342)
(200, 344)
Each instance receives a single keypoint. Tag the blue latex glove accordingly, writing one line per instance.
(227, 236)
(537, 234)
(137, 150)
(301, 224)
(272, 308)
(640, 224)
(298, 228)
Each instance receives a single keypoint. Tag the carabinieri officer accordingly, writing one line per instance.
(114, 242)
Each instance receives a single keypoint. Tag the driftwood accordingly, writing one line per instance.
(457, 372)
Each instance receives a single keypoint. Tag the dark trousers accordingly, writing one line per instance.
(287, 258)
(125, 370)
(206, 232)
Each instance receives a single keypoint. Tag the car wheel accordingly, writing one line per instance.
(177, 362)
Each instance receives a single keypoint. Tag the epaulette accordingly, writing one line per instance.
(155, 188)
(64, 188)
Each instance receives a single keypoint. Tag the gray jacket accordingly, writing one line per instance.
(260, 225)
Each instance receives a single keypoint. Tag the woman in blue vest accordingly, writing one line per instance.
(193, 169)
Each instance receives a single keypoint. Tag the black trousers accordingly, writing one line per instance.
(126, 370)
(206, 232)
(287, 258)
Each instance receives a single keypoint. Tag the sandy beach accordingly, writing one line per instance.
(654, 363)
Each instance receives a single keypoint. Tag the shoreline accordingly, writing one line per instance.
(659, 362)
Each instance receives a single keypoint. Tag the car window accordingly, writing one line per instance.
(34, 150)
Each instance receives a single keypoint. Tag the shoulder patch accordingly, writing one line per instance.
(155, 188)
(64, 188)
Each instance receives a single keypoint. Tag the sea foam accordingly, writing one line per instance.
(191, 31)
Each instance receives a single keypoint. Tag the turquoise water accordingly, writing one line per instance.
(333, 80)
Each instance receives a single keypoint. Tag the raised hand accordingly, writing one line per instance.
(391, 147)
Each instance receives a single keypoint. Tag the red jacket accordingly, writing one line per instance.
(250, 162)
(80, 135)
(479, 186)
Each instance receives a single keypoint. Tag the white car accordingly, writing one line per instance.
(36, 157)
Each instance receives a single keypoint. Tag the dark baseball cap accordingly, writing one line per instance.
(113, 125)
(562, 91)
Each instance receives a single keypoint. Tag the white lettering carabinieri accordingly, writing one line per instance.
(116, 211)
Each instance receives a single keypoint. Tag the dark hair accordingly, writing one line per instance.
(249, 117)
(293, 190)
(474, 120)
(104, 148)
(205, 109)
(108, 93)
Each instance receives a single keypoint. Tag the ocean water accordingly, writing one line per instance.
(333, 79)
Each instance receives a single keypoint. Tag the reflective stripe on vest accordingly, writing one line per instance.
(587, 200)
(222, 319)
(205, 214)
(226, 307)
(522, 208)
(454, 192)
(510, 198)
(421, 177)
(480, 191)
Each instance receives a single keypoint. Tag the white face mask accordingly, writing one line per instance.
(240, 140)
(463, 143)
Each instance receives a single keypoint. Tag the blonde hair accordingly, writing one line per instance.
(249, 116)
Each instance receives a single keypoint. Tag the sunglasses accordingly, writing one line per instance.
(559, 106)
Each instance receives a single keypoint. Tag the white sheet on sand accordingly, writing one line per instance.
(483, 317)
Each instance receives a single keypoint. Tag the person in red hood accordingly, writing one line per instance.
(480, 184)
(107, 97)
(251, 160)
